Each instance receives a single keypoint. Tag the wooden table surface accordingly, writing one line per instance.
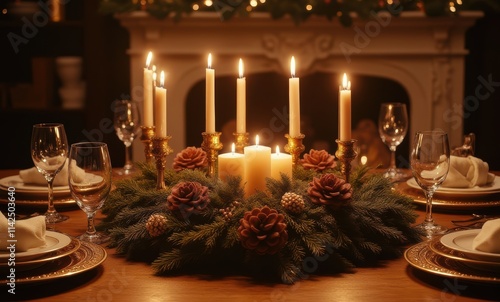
(119, 280)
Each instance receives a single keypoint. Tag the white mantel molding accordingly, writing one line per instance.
(425, 55)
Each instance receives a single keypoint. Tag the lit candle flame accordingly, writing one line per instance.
(278, 150)
(148, 59)
(292, 67)
(162, 79)
(154, 76)
(346, 85)
(363, 160)
(233, 148)
(240, 68)
(209, 61)
(257, 140)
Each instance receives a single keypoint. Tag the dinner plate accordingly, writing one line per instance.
(474, 192)
(31, 191)
(421, 257)
(462, 241)
(31, 264)
(437, 247)
(85, 258)
(53, 242)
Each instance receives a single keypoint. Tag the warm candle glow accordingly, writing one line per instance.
(233, 148)
(346, 85)
(154, 76)
(257, 140)
(280, 163)
(294, 102)
(240, 68)
(162, 79)
(277, 150)
(364, 160)
(210, 97)
(148, 59)
(209, 61)
(292, 67)
(345, 110)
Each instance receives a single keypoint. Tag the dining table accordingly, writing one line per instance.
(118, 279)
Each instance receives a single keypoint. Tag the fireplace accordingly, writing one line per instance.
(424, 55)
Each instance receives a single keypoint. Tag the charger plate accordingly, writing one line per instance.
(421, 257)
(85, 258)
(462, 241)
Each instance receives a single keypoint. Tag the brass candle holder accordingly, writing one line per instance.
(160, 150)
(295, 147)
(241, 141)
(211, 144)
(346, 153)
(148, 132)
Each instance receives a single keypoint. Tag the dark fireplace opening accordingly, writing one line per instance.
(267, 112)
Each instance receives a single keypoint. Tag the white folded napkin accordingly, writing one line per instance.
(488, 239)
(32, 176)
(467, 172)
(29, 233)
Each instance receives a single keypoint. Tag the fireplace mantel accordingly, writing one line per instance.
(425, 55)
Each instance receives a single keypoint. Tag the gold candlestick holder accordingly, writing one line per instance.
(241, 141)
(211, 144)
(160, 150)
(148, 132)
(295, 147)
(346, 153)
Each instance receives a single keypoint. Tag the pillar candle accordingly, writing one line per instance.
(257, 167)
(148, 92)
(294, 100)
(210, 97)
(280, 163)
(345, 110)
(241, 101)
(231, 164)
(161, 108)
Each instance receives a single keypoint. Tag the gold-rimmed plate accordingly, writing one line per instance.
(475, 192)
(85, 258)
(54, 241)
(462, 241)
(437, 247)
(421, 257)
(490, 201)
(29, 264)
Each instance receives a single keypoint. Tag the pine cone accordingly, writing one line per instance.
(292, 202)
(263, 231)
(188, 198)
(156, 225)
(318, 160)
(329, 190)
(190, 158)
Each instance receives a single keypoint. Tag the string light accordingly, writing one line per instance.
(262, 1)
(196, 6)
(452, 7)
(208, 3)
(253, 3)
(309, 7)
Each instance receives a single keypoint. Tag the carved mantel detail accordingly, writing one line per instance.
(425, 55)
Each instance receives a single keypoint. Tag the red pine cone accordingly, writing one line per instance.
(188, 198)
(329, 190)
(263, 231)
(190, 158)
(318, 160)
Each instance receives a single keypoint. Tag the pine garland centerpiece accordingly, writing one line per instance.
(314, 223)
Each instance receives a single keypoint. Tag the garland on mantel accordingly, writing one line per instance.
(315, 223)
(298, 10)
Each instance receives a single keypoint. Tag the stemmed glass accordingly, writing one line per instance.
(127, 127)
(89, 175)
(392, 127)
(49, 151)
(430, 163)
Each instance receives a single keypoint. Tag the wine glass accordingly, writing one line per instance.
(89, 176)
(430, 163)
(392, 127)
(49, 151)
(127, 127)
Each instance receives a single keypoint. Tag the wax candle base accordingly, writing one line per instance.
(211, 144)
(346, 153)
(241, 141)
(295, 147)
(160, 150)
(148, 132)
